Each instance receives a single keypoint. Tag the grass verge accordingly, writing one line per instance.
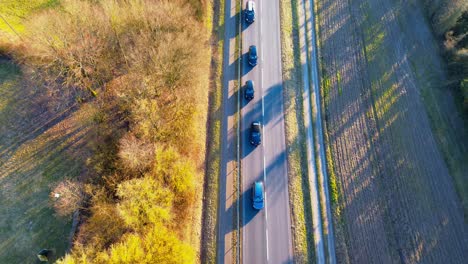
(210, 212)
(299, 193)
(237, 233)
(333, 184)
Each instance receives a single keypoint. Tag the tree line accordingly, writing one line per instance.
(142, 67)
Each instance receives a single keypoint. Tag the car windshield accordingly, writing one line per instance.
(253, 51)
(250, 6)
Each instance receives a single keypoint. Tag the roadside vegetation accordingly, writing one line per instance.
(449, 21)
(141, 69)
(335, 188)
(299, 192)
(210, 209)
(13, 14)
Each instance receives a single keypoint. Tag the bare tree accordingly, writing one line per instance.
(67, 197)
(136, 154)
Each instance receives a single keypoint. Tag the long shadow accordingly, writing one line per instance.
(246, 67)
(252, 115)
(273, 110)
(391, 178)
(244, 23)
(234, 20)
(232, 100)
(26, 112)
(43, 165)
(247, 212)
(293, 91)
(228, 30)
(237, 18)
(243, 100)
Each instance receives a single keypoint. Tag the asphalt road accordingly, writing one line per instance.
(266, 234)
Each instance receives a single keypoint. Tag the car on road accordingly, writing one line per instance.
(252, 55)
(249, 90)
(258, 195)
(255, 133)
(250, 11)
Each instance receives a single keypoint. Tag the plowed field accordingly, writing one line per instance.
(381, 79)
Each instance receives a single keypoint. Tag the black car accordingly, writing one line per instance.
(252, 55)
(255, 133)
(250, 12)
(249, 90)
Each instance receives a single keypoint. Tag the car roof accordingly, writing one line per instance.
(253, 48)
(258, 188)
(249, 83)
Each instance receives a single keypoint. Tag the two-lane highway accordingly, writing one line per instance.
(266, 234)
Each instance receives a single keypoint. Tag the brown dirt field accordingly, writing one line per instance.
(380, 64)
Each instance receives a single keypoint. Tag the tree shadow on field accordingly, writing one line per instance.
(28, 113)
(41, 142)
(401, 168)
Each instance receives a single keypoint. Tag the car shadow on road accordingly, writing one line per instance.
(234, 22)
(233, 68)
(255, 114)
(246, 67)
(245, 24)
(246, 210)
(244, 101)
(241, 207)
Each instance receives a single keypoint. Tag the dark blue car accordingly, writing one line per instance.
(255, 133)
(249, 90)
(252, 55)
(250, 12)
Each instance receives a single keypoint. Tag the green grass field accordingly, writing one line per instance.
(14, 12)
(37, 149)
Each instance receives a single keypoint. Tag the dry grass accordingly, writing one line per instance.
(147, 65)
(295, 134)
(208, 250)
(13, 14)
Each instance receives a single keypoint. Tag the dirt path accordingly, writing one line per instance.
(399, 201)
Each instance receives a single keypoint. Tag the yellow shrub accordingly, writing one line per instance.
(144, 201)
